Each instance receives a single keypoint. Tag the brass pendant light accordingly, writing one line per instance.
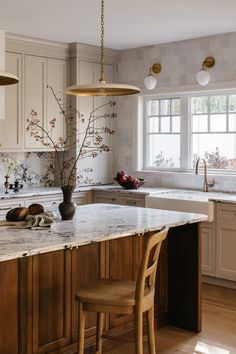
(8, 79)
(102, 88)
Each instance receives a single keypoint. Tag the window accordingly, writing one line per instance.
(213, 121)
(179, 130)
(163, 133)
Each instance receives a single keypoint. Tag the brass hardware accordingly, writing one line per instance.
(209, 62)
(156, 68)
(206, 184)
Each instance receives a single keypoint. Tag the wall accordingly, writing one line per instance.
(180, 62)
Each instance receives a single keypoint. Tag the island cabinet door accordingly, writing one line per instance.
(9, 307)
(123, 262)
(88, 263)
(51, 301)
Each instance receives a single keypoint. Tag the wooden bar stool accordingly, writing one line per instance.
(114, 296)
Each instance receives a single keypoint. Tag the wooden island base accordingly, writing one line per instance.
(38, 313)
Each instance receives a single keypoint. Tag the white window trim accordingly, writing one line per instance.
(185, 136)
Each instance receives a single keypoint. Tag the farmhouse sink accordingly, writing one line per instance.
(186, 201)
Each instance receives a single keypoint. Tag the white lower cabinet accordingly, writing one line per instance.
(208, 249)
(226, 241)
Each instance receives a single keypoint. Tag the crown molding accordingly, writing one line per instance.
(36, 46)
(92, 52)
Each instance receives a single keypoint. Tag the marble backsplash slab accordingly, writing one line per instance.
(34, 169)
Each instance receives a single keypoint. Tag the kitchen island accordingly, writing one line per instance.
(41, 270)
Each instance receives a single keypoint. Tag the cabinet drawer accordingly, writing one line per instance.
(104, 198)
(6, 206)
(132, 201)
(226, 213)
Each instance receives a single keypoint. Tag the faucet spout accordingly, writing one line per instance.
(206, 184)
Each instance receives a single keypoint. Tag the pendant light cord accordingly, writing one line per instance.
(102, 41)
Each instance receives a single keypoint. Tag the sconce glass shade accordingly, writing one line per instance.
(203, 77)
(150, 82)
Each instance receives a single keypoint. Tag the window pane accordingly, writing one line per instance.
(232, 103)
(232, 122)
(219, 150)
(218, 104)
(153, 124)
(153, 107)
(199, 123)
(176, 124)
(165, 107)
(165, 150)
(218, 123)
(199, 105)
(165, 124)
(175, 106)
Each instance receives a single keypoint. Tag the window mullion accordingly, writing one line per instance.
(184, 134)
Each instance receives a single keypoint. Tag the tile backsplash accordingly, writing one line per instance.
(34, 168)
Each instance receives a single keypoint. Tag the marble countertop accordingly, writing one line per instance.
(40, 191)
(117, 221)
(143, 191)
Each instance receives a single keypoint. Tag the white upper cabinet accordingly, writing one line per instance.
(40, 74)
(57, 79)
(11, 127)
(35, 92)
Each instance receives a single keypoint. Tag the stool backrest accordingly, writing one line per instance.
(149, 262)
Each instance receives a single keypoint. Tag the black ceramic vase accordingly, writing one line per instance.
(67, 207)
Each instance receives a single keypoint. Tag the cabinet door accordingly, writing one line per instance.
(9, 307)
(208, 249)
(57, 79)
(123, 264)
(51, 296)
(88, 263)
(11, 126)
(225, 251)
(35, 84)
(109, 198)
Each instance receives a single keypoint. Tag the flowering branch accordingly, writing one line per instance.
(88, 142)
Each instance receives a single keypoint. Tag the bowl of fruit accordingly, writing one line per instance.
(128, 182)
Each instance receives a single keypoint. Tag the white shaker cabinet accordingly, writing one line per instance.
(39, 73)
(226, 241)
(208, 249)
(11, 127)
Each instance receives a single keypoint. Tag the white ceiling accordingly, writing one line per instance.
(128, 23)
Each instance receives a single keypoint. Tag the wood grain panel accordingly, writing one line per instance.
(51, 301)
(9, 307)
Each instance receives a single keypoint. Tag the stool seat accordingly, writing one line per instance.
(109, 292)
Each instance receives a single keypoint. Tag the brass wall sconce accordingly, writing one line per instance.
(203, 76)
(150, 81)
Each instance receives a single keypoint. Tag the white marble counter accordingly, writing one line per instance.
(92, 223)
(143, 191)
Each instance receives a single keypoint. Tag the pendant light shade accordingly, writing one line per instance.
(8, 79)
(102, 88)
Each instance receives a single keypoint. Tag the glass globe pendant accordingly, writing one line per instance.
(203, 77)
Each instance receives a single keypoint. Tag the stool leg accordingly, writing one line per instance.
(81, 326)
(151, 333)
(100, 317)
(138, 332)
